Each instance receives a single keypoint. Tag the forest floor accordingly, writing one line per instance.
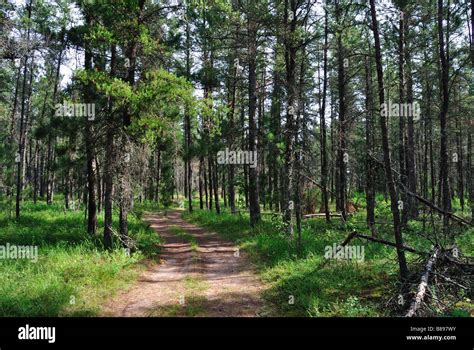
(198, 274)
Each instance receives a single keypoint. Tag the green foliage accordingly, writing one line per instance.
(160, 98)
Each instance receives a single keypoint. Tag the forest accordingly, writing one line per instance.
(237, 158)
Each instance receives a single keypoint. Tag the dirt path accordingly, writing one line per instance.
(200, 274)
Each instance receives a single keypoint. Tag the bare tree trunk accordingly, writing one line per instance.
(411, 208)
(36, 173)
(99, 185)
(231, 169)
(401, 118)
(290, 64)
(90, 152)
(275, 115)
(342, 155)
(324, 160)
(50, 176)
(126, 191)
(386, 151)
(188, 135)
(201, 204)
(215, 183)
(210, 178)
(369, 144)
(21, 135)
(109, 162)
(472, 32)
(254, 205)
(471, 172)
(444, 164)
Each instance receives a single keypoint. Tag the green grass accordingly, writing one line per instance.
(73, 275)
(302, 282)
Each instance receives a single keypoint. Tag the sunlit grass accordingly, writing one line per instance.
(74, 275)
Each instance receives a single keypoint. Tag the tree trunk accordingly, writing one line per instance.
(324, 160)
(109, 162)
(401, 117)
(444, 164)
(188, 135)
(411, 209)
(90, 152)
(254, 205)
(342, 156)
(201, 204)
(386, 151)
(369, 144)
(21, 141)
(290, 65)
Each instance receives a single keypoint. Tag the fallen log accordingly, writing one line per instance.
(318, 215)
(420, 295)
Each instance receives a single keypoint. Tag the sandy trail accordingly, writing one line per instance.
(200, 274)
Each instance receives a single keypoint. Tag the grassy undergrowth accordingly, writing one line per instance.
(73, 274)
(303, 282)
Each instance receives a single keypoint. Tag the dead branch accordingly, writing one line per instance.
(315, 183)
(383, 241)
(425, 201)
(348, 238)
(447, 279)
(308, 216)
(128, 242)
(420, 295)
(464, 266)
(354, 234)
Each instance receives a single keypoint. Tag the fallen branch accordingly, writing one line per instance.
(349, 238)
(464, 266)
(317, 215)
(342, 245)
(315, 183)
(420, 295)
(438, 209)
(451, 281)
(354, 234)
(128, 243)
(425, 201)
(383, 241)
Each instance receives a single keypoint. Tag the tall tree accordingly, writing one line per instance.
(444, 164)
(254, 205)
(386, 149)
